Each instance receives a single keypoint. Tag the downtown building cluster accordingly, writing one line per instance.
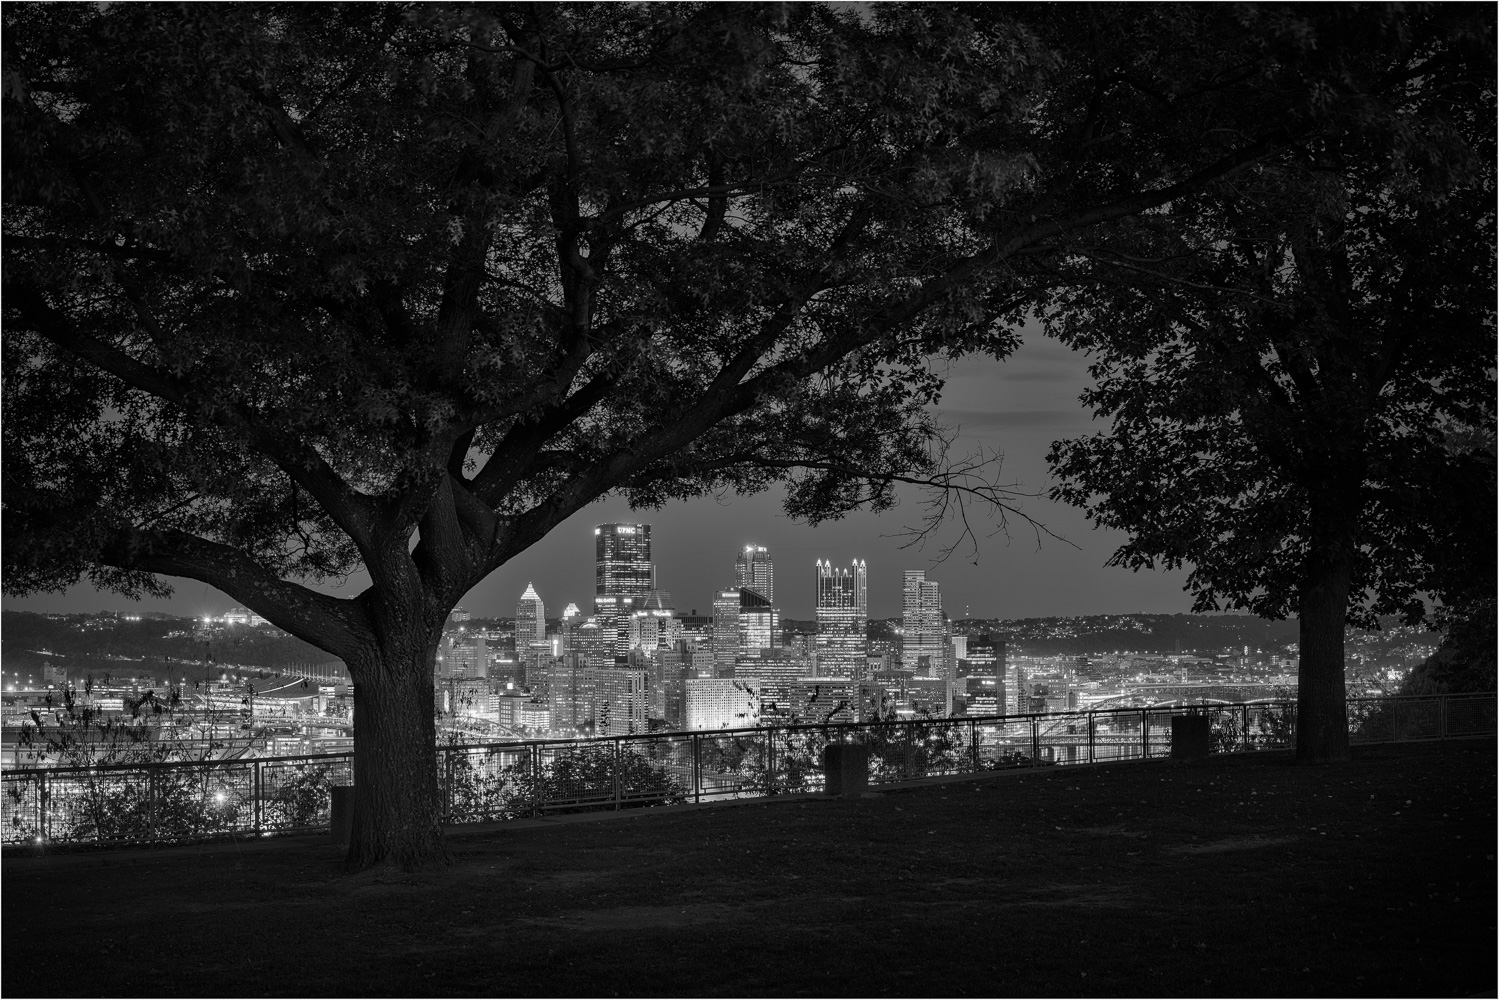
(638, 663)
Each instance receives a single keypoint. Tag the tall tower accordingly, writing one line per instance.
(924, 630)
(623, 577)
(754, 570)
(725, 631)
(530, 620)
(623, 573)
(842, 619)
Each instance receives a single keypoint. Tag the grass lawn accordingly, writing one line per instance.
(1229, 876)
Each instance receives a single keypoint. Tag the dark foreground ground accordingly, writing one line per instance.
(1232, 876)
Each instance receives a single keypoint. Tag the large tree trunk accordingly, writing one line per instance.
(1321, 698)
(397, 802)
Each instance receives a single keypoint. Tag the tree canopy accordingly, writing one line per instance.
(1299, 364)
(294, 289)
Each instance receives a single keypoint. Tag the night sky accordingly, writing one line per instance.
(1018, 406)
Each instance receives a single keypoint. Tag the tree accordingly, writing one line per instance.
(1298, 363)
(294, 290)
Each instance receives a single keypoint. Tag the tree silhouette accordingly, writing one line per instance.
(1299, 364)
(295, 291)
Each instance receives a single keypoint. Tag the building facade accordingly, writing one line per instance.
(842, 619)
(753, 569)
(530, 620)
(722, 703)
(570, 689)
(624, 577)
(923, 626)
(621, 701)
(725, 633)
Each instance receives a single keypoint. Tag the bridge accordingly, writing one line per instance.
(1195, 693)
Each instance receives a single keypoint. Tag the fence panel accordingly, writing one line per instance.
(655, 770)
(1117, 735)
(795, 758)
(1063, 739)
(297, 794)
(192, 800)
(21, 808)
(575, 776)
(1471, 714)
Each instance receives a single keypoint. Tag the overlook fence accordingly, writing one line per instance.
(177, 801)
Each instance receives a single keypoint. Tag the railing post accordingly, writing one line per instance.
(697, 770)
(1035, 742)
(1092, 716)
(1442, 716)
(151, 801)
(257, 798)
(618, 754)
(535, 779)
(770, 762)
(447, 785)
(910, 748)
(1145, 734)
(973, 744)
(41, 808)
(1244, 732)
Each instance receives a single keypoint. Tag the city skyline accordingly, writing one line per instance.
(1017, 406)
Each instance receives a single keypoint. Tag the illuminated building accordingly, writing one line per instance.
(753, 569)
(822, 700)
(984, 658)
(623, 573)
(722, 703)
(759, 623)
(923, 626)
(570, 687)
(654, 624)
(621, 701)
(744, 622)
(623, 577)
(465, 655)
(778, 671)
(530, 621)
(531, 648)
(725, 631)
(842, 619)
(571, 619)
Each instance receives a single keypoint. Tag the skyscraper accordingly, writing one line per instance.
(621, 701)
(842, 619)
(530, 621)
(531, 649)
(922, 624)
(759, 623)
(754, 570)
(725, 631)
(623, 573)
(623, 577)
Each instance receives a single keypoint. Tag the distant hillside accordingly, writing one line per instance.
(1088, 635)
(89, 641)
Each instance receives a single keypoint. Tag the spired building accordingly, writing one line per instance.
(923, 625)
(530, 621)
(842, 620)
(531, 649)
(754, 570)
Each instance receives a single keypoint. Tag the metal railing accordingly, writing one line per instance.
(164, 802)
